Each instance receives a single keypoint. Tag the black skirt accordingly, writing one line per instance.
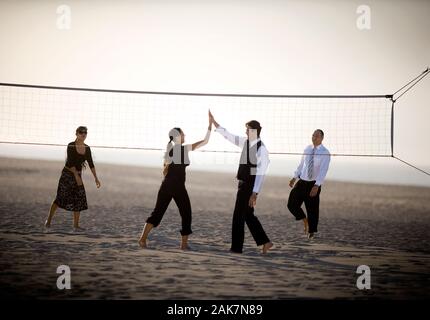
(70, 196)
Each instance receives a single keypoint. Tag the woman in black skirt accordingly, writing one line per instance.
(71, 192)
(173, 186)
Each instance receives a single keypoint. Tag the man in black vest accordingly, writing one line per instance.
(254, 161)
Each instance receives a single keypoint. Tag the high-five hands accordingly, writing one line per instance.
(212, 119)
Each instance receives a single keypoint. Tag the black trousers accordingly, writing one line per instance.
(300, 194)
(177, 192)
(244, 213)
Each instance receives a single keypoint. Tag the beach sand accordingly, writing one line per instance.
(383, 227)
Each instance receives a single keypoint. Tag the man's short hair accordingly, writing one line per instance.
(254, 124)
(321, 132)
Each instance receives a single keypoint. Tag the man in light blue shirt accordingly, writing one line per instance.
(311, 173)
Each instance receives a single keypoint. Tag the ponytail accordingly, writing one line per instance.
(167, 159)
(169, 147)
(173, 133)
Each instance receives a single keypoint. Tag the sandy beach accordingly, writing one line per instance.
(383, 227)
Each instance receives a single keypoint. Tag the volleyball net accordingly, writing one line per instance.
(353, 125)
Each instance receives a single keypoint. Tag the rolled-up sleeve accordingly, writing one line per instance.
(262, 166)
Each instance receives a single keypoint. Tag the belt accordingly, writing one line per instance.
(70, 170)
(307, 181)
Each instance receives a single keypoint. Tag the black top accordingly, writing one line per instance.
(75, 159)
(179, 160)
(248, 161)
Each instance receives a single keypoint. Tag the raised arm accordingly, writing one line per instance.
(205, 141)
(236, 140)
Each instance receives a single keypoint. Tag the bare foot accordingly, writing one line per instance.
(235, 252)
(267, 246)
(142, 244)
(305, 225)
(185, 247)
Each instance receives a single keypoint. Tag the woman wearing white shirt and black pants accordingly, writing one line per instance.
(311, 171)
(254, 161)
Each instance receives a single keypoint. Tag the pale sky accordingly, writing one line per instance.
(265, 47)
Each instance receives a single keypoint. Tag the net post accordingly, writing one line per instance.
(392, 125)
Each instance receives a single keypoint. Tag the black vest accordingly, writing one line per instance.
(179, 161)
(248, 162)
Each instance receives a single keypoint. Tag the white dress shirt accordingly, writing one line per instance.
(321, 164)
(262, 155)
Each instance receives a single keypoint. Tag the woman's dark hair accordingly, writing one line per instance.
(173, 133)
(81, 128)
